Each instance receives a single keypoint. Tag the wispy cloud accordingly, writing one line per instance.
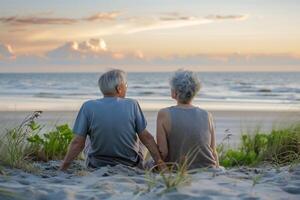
(106, 16)
(172, 16)
(226, 17)
(38, 20)
(175, 20)
(14, 20)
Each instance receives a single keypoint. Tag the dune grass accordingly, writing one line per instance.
(13, 145)
(22, 144)
(279, 147)
(175, 175)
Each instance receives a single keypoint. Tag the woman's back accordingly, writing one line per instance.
(190, 137)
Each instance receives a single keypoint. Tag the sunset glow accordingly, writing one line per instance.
(267, 32)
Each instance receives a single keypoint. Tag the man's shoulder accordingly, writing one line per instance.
(89, 103)
(129, 101)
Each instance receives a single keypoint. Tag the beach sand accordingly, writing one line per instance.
(121, 182)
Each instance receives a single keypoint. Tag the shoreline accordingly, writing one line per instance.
(147, 104)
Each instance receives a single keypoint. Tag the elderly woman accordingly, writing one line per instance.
(186, 132)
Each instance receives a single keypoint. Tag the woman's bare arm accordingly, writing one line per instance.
(161, 133)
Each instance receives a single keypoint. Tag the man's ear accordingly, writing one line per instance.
(118, 89)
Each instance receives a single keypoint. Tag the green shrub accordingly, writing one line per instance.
(279, 147)
(52, 145)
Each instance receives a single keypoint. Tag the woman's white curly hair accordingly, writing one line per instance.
(186, 85)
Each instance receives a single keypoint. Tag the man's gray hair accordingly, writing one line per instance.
(110, 80)
(186, 84)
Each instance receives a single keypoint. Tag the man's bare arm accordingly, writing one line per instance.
(76, 146)
(213, 140)
(148, 140)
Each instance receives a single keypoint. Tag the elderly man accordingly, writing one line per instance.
(113, 124)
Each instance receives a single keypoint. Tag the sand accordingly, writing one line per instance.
(122, 182)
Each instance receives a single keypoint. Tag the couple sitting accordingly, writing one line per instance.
(110, 129)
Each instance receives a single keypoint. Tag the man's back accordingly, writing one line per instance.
(112, 124)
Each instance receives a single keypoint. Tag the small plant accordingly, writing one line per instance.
(256, 179)
(279, 147)
(14, 151)
(52, 145)
(177, 173)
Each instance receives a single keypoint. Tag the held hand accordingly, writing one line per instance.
(161, 165)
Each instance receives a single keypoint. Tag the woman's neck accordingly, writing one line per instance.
(185, 105)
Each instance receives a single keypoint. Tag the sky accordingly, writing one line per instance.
(144, 35)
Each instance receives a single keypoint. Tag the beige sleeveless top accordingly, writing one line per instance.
(190, 137)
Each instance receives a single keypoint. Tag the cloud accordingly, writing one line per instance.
(95, 52)
(227, 17)
(175, 20)
(175, 16)
(92, 55)
(67, 51)
(14, 20)
(159, 24)
(79, 50)
(103, 16)
(172, 16)
(38, 20)
(91, 51)
(6, 52)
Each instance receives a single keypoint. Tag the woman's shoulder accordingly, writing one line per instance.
(163, 112)
(203, 111)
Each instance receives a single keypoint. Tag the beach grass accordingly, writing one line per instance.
(175, 175)
(24, 143)
(13, 145)
(279, 147)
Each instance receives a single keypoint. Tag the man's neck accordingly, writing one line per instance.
(112, 95)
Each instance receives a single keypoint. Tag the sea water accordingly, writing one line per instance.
(152, 88)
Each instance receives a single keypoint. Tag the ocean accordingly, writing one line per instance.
(217, 87)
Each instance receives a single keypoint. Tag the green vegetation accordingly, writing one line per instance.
(52, 145)
(13, 144)
(279, 147)
(22, 144)
(26, 142)
(177, 173)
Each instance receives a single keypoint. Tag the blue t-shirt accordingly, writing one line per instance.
(112, 125)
